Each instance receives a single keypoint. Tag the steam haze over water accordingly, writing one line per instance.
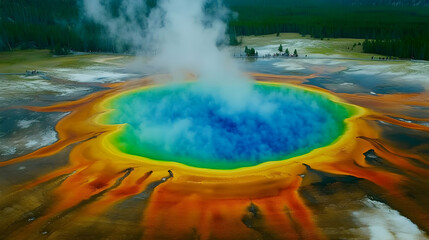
(186, 37)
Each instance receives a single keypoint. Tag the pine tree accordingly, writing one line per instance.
(280, 48)
(295, 53)
(252, 52)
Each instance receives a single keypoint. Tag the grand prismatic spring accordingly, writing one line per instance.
(274, 178)
(178, 143)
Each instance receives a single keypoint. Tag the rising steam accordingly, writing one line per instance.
(185, 36)
(181, 36)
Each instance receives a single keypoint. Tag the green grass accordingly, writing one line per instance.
(21, 60)
(334, 46)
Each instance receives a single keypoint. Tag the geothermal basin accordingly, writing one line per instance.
(141, 155)
(188, 124)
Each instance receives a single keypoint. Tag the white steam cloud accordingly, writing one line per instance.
(185, 36)
(182, 37)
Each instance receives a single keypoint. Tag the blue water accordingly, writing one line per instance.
(181, 123)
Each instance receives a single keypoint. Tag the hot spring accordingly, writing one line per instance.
(184, 123)
(141, 156)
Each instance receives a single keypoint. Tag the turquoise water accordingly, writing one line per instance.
(183, 124)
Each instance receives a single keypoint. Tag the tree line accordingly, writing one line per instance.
(51, 24)
(398, 31)
(404, 48)
(389, 30)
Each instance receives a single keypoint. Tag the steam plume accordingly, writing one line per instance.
(185, 36)
(182, 35)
